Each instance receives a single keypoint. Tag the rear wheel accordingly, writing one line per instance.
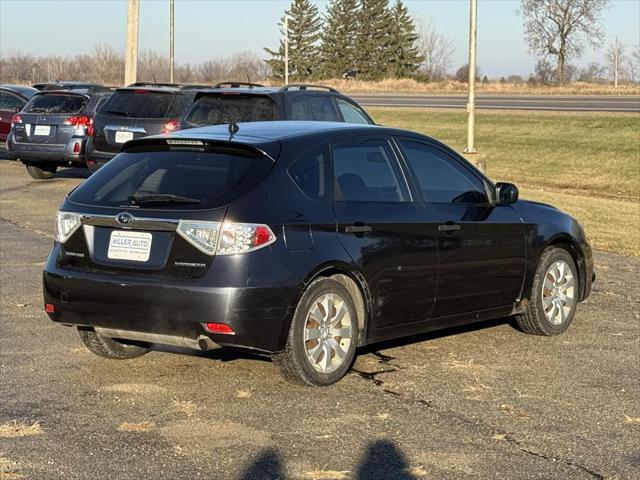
(322, 339)
(108, 347)
(44, 173)
(554, 295)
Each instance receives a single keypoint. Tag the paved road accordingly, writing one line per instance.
(472, 403)
(523, 102)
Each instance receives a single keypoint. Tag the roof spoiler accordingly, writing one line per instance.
(306, 86)
(167, 85)
(235, 84)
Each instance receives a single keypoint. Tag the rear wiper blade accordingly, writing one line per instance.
(117, 112)
(164, 198)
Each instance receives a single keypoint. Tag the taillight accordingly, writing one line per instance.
(90, 128)
(171, 126)
(79, 121)
(66, 224)
(228, 238)
(16, 119)
(222, 328)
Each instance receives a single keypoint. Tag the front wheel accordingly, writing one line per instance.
(41, 173)
(108, 347)
(323, 335)
(554, 295)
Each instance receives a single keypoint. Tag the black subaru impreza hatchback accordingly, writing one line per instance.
(304, 240)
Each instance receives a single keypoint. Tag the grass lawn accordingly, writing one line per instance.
(588, 164)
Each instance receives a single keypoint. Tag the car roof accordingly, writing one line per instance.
(271, 131)
(22, 90)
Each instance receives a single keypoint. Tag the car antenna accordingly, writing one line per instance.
(249, 82)
(233, 128)
(155, 82)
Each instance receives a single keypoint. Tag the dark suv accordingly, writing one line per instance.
(304, 240)
(136, 111)
(246, 102)
(52, 130)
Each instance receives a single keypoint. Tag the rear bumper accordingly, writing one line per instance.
(97, 158)
(259, 315)
(35, 153)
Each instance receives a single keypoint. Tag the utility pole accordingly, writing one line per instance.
(471, 102)
(286, 49)
(131, 46)
(616, 61)
(171, 41)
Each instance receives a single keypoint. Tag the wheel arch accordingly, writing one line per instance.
(567, 243)
(357, 287)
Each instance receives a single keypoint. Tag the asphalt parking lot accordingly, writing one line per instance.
(478, 402)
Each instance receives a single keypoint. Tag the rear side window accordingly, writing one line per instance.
(208, 179)
(313, 107)
(441, 177)
(10, 102)
(214, 110)
(142, 104)
(56, 104)
(311, 173)
(367, 171)
(351, 113)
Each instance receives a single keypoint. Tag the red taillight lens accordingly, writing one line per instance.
(16, 119)
(79, 121)
(76, 147)
(49, 308)
(221, 328)
(171, 126)
(261, 236)
(90, 128)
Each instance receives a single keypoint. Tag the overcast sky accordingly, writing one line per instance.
(213, 28)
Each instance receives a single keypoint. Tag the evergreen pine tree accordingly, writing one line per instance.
(305, 27)
(405, 52)
(374, 39)
(338, 50)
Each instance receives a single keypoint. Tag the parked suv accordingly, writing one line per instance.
(85, 87)
(12, 99)
(304, 240)
(52, 130)
(246, 102)
(136, 111)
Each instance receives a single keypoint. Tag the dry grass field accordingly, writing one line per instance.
(588, 164)
(409, 85)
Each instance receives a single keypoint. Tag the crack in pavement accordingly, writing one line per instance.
(385, 359)
(26, 227)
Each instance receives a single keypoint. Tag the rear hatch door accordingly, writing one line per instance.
(134, 113)
(46, 119)
(133, 209)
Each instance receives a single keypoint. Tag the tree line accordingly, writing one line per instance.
(370, 39)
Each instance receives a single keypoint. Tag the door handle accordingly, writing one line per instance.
(449, 227)
(358, 229)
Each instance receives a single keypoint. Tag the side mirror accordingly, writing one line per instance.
(506, 193)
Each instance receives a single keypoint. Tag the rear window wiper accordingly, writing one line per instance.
(161, 198)
(117, 112)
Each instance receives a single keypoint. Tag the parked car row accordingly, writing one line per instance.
(85, 124)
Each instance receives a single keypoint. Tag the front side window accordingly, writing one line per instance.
(351, 113)
(310, 173)
(367, 171)
(313, 107)
(441, 178)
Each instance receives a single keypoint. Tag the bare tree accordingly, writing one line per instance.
(436, 48)
(562, 28)
(633, 63)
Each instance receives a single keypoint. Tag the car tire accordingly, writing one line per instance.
(41, 173)
(554, 295)
(322, 339)
(108, 347)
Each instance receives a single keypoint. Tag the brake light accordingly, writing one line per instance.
(138, 90)
(228, 238)
(49, 308)
(222, 328)
(79, 121)
(171, 126)
(90, 128)
(16, 119)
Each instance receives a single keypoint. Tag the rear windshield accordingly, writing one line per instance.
(214, 110)
(146, 104)
(206, 179)
(56, 104)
